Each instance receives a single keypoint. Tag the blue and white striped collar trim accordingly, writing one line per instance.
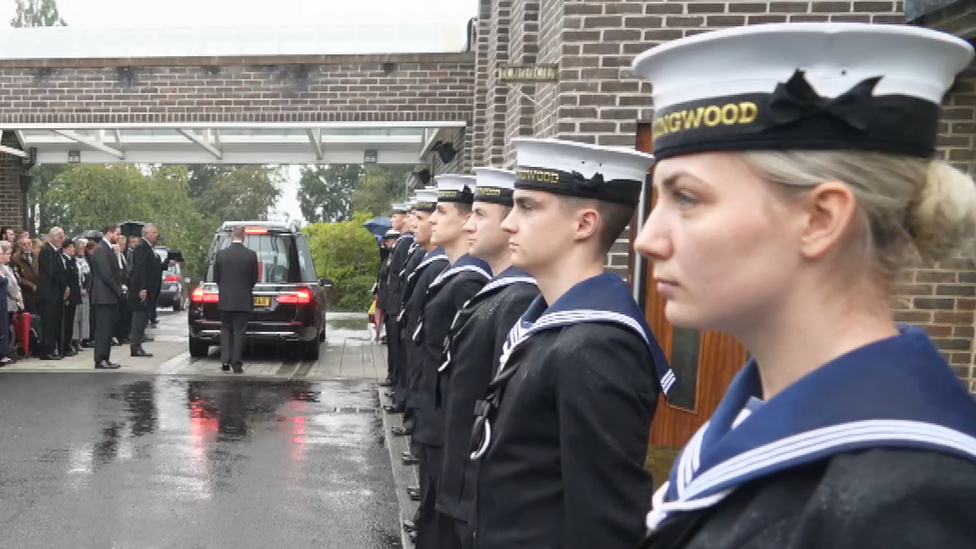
(465, 263)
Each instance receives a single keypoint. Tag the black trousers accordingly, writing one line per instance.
(68, 326)
(233, 333)
(453, 533)
(427, 526)
(153, 298)
(140, 319)
(392, 337)
(106, 318)
(52, 313)
(123, 323)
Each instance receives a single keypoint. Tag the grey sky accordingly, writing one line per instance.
(263, 13)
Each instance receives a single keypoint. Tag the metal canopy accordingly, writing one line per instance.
(230, 143)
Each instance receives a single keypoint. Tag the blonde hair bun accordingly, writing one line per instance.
(942, 219)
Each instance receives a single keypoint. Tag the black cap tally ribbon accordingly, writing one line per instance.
(796, 100)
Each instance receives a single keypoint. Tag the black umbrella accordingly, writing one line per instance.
(174, 255)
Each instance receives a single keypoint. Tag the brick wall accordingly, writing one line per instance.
(423, 87)
(497, 93)
(523, 50)
(476, 143)
(550, 51)
(11, 168)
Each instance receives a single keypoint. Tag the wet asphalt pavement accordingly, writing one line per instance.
(119, 462)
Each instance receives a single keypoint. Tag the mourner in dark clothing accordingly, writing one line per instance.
(394, 298)
(52, 292)
(472, 351)
(444, 298)
(24, 265)
(147, 273)
(787, 230)
(107, 291)
(235, 273)
(73, 300)
(124, 323)
(563, 435)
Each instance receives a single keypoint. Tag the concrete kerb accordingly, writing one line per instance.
(403, 475)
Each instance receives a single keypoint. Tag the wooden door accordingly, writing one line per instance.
(703, 362)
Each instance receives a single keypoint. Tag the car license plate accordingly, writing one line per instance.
(262, 301)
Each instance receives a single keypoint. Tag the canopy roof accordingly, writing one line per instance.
(231, 143)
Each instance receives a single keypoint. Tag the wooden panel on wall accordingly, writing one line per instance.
(719, 357)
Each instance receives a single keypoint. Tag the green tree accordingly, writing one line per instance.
(325, 192)
(380, 186)
(43, 175)
(244, 193)
(88, 196)
(37, 13)
(202, 177)
(348, 254)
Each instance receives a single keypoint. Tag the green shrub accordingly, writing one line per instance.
(348, 254)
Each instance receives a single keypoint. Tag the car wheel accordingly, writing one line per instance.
(178, 305)
(310, 350)
(322, 335)
(198, 349)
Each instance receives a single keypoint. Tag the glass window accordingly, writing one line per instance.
(278, 261)
(685, 349)
(305, 260)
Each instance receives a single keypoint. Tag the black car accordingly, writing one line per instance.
(289, 301)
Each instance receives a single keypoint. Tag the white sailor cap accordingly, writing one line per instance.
(398, 208)
(568, 168)
(425, 201)
(494, 185)
(455, 188)
(827, 86)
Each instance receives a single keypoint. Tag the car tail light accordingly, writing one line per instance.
(172, 278)
(301, 297)
(255, 230)
(201, 296)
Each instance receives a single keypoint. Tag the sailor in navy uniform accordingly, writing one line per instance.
(397, 231)
(394, 297)
(415, 254)
(432, 264)
(473, 348)
(796, 177)
(562, 435)
(445, 296)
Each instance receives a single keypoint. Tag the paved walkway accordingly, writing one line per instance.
(349, 353)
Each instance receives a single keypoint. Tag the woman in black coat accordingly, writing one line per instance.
(68, 346)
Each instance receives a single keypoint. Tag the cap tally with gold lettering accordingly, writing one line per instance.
(455, 188)
(581, 170)
(802, 86)
(494, 185)
(410, 205)
(426, 201)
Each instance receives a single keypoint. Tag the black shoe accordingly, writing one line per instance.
(386, 383)
(50, 357)
(392, 409)
(106, 365)
(148, 338)
(412, 536)
(409, 526)
(238, 368)
(139, 352)
(410, 460)
(70, 352)
(225, 367)
(400, 431)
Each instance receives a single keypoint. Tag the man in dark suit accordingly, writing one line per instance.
(147, 271)
(52, 292)
(236, 273)
(107, 293)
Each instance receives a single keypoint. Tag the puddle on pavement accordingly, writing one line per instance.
(659, 462)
